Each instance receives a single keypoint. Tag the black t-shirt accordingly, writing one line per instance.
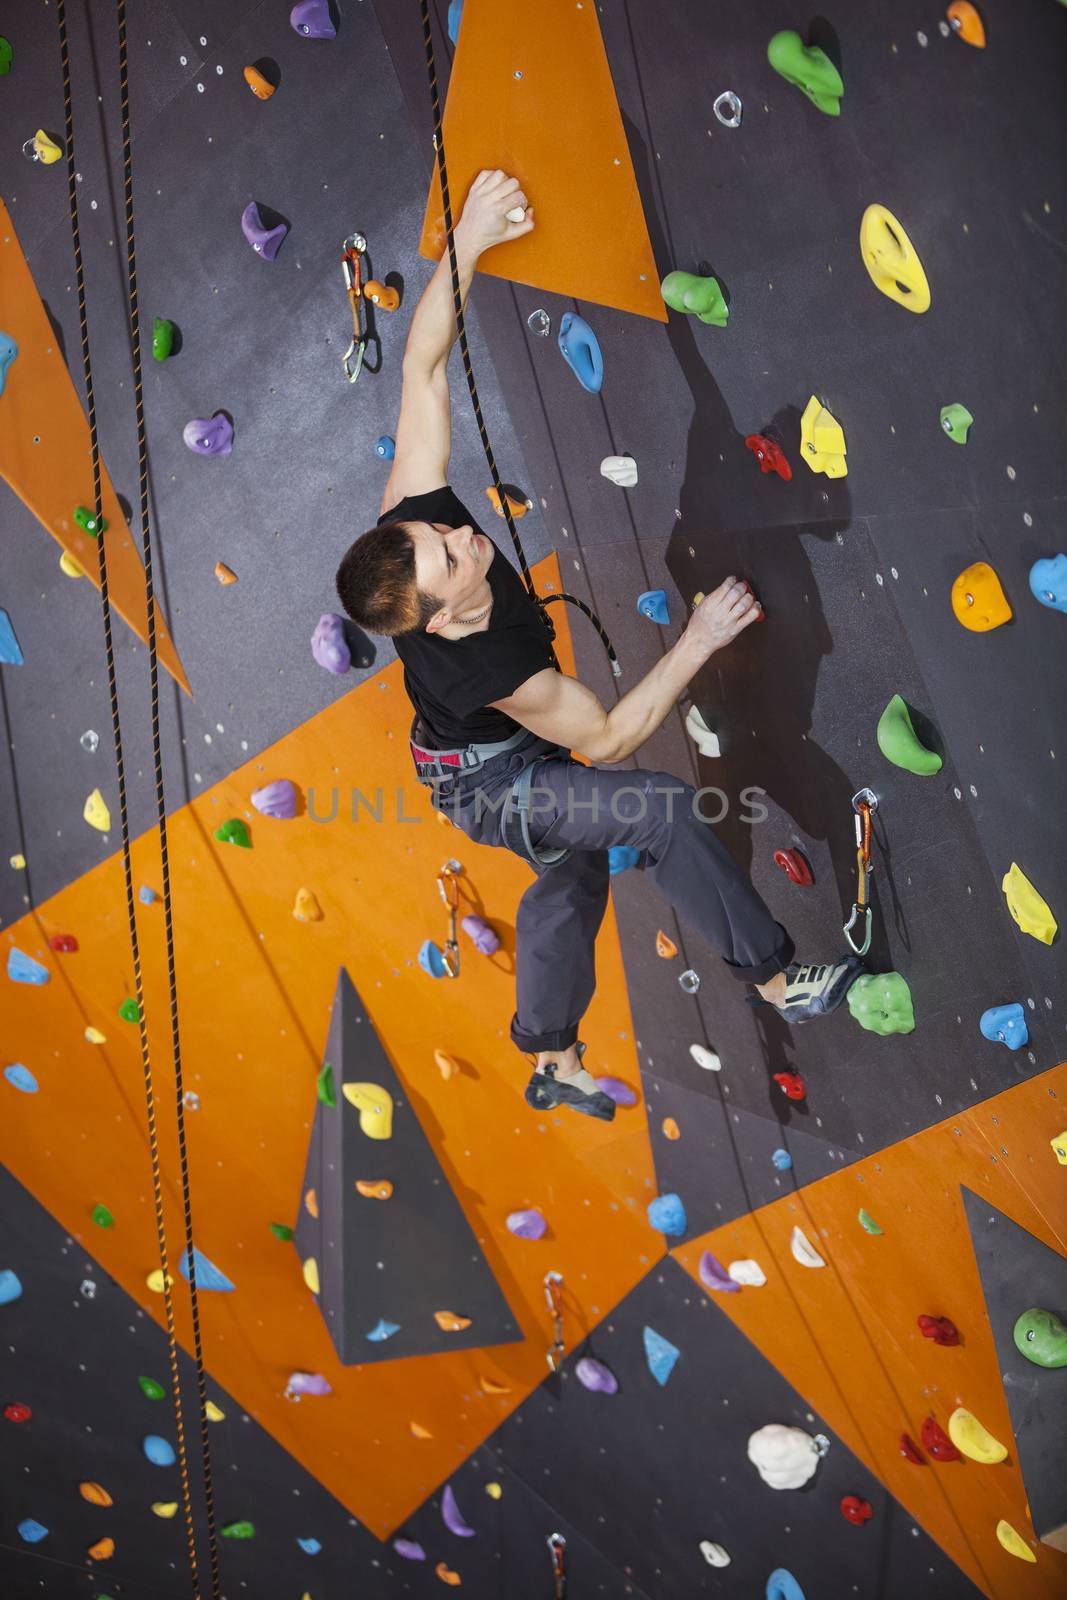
(451, 681)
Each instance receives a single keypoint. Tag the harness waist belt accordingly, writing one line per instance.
(450, 763)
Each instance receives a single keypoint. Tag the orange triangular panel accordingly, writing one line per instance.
(45, 455)
(558, 130)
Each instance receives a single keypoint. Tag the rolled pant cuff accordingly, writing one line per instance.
(766, 969)
(533, 1043)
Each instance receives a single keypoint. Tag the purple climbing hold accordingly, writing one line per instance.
(450, 1515)
(527, 1224)
(616, 1090)
(476, 929)
(266, 242)
(307, 1383)
(312, 19)
(713, 1275)
(409, 1550)
(593, 1374)
(277, 799)
(329, 645)
(210, 436)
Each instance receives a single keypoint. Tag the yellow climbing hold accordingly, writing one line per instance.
(1026, 905)
(95, 1494)
(1059, 1148)
(450, 1322)
(96, 812)
(214, 1413)
(822, 440)
(311, 1203)
(155, 1281)
(165, 1508)
(72, 568)
(311, 1274)
(102, 1550)
(375, 1108)
(306, 908)
(1013, 1542)
(446, 1066)
(18, 862)
(419, 1432)
(94, 1036)
(45, 150)
(494, 1491)
(968, 1435)
(892, 261)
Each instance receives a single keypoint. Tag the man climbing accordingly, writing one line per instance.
(495, 724)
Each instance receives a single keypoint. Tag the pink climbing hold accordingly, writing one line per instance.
(713, 1275)
(450, 1515)
(307, 1383)
(312, 19)
(529, 1224)
(485, 940)
(329, 645)
(616, 1090)
(594, 1375)
(277, 799)
(265, 241)
(210, 436)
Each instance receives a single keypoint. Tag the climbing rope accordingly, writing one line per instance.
(541, 601)
(105, 601)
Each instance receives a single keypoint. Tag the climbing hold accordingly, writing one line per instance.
(10, 653)
(781, 1585)
(518, 508)
(822, 440)
(579, 348)
(312, 1383)
(96, 813)
(154, 1281)
(714, 1276)
(782, 1160)
(209, 436)
(18, 861)
(208, 1276)
(747, 1272)
(966, 24)
(22, 968)
(1041, 1337)
(795, 866)
(8, 352)
(10, 1287)
(881, 1003)
(785, 1457)
(1048, 582)
(329, 645)
(158, 1451)
(705, 740)
(408, 1550)
(937, 1442)
(891, 259)
(375, 1107)
(281, 1230)
(239, 1530)
(374, 1189)
(259, 83)
(538, 322)
(17, 1412)
(311, 1274)
(770, 455)
(95, 1494)
(130, 1011)
(791, 1084)
(162, 338)
(616, 1090)
(809, 69)
(529, 1224)
(956, 422)
(102, 1216)
(494, 1491)
(146, 895)
(89, 523)
(382, 295)
(20, 1077)
(483, 937)
(1027, 907)
(65, 943)
(310, 1547)
(305, 907)
(6, 56)
(1013, 1542)
(978, 600)
(696, 295)
(42, 148)
(910, 1450)
(867, 1222)
(165, 1508)
(620, 470)
(32, 1531)
(385, 448)
(728, 108)
(661, 1355)
(325, 1089)
(446, 1575)
(450, 1322)
(313, 20)
(595, 1376)
(714, 1554)
(899, 743)
(432, 959)
(447, 1065)
(705, 1058)
(68, 565)
(489, 1386)
(214, 1413)
(942, 1330)
(224, 574)
(151, 1389)
(666, 948)
(856, 1510)
(667, 1215)
(1005, 1025)
(670, 1128)
(653, 605)
(234, 831)
(803, 1250)
(383, 1330)
(621, 857)
(968, 1435)
(450, 1515)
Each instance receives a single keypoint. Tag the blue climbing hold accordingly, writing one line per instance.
(32, 1531)
(383, 1330)
(8, 351)
(208, 1276)
(653, 605)
(22, 968)
(455, 17)
(158, 1451)
(146, 895)
(385, 448)
(432, 959)
(621, 857)
(1005, 1025)
(1048, 582)
(782, 1160)
(20, 1077)
(781, 1585)
(661, 1355)
(10, 654)
(10, 1287)
(310, 1547)
(666, 1213)
(579, 347)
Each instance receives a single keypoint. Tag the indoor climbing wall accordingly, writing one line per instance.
(794, 284)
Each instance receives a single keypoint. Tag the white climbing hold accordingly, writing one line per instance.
(748, 1272)
(705, 1058)
(706, 741)
(784, 1457)
(516, 214)
(714, 1554)
(804, 1251)
(622, 470)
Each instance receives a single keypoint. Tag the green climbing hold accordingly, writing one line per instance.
(162, 338)
(899, 743)
(130, 1011)
(956, 421)
(325, 1086)
(1041, 1337)
(151, 1389)
(700, 297)
(102, 1217)
(239, 1530)
(89, 523)
(809, 69)
(881, 1003)
(281, 1230)
(867, 1222)
(6, 56)
(234, 832)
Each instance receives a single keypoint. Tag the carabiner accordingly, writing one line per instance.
(354, 246)
(864, 802)
(557, 1549)
(450, 896)
(553, 1282)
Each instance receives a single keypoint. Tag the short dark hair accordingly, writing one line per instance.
(376, 582)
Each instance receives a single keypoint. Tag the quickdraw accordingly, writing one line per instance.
(557, 1550)
(354, 247)
(554, 1300)
(864, 804)
(448, 887)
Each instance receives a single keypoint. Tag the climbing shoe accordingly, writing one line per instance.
(815, 991)
(545, 1091)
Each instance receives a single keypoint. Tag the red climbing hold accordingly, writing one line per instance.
(770, 455)
(64, 942)
(795, 866)
(855, 1510)
(939, 1329)
(910, 1450)
(17, 1412)
(791, 1085)
(938, 1442)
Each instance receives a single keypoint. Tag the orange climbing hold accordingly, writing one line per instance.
(490, 1386)
(260, 86)
(381, 295)
(450, 1322)
(419, 1432)
(371, 1189)
(311, 1202)
(665, 947)
(446, 1575)
(518, 508)
(95, 1494)
(224, 574)
(671, 1130)
(978, 599)
(964, 21)
(102, 1550)
(446, 1065)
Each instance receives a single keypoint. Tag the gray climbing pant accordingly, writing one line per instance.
(585, 810)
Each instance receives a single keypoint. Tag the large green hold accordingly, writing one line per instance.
(809, 69)
(1041, 1337)
(881, 1003)
(151, 1389)
(239, 1530)
(899, 743)
(698, 297)
(327, 1091)
(233, 831)
(162, 338)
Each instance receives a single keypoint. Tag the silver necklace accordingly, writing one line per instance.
(468, 622)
